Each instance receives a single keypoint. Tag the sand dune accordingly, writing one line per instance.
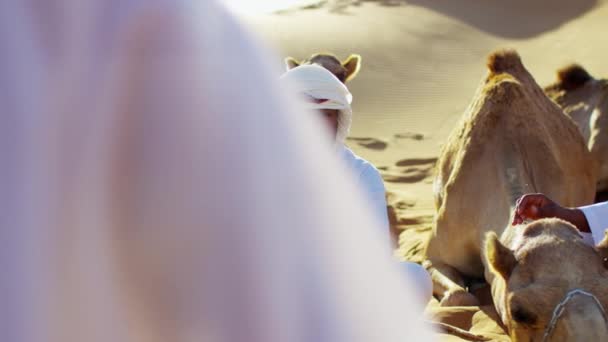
(422, 61)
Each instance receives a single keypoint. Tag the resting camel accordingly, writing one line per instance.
(514, 140)
(511, 140)
(344, 71)
(585, 100)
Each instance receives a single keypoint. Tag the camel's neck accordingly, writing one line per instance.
(514, 175)
(514, 185)
(518, 182)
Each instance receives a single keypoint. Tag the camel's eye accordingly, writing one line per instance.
(522, 316)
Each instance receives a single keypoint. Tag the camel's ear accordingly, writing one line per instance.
(500, 258)
(352, 65)
(573, 76)
(602, 249)
(291, 63)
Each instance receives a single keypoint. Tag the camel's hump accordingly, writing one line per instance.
(572, 76)
(504, 61)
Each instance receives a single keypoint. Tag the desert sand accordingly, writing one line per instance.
(422, 61)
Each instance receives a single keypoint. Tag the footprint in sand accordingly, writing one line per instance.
(410, 135)
(405, 176)
(400, 200)
(371, 143)
(417, 162)
(410, 170)
(415, 220)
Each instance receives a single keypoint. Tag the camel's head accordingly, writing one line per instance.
(344, 71)
(585, 100)
(548, 285)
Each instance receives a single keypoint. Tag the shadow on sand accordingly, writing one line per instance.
(515, 19)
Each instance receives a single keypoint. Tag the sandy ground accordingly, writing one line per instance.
(422, 61)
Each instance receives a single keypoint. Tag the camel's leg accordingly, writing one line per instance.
(449, 285)
(445, 278)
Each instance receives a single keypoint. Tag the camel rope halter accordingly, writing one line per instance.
(559, 310)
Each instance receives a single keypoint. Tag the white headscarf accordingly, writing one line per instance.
(319, 83)
(142, 202)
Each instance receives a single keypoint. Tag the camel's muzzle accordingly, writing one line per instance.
(578, 317)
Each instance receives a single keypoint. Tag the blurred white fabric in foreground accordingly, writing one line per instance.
(157, 186)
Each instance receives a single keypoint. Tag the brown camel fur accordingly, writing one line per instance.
(547, 284)
(585, 100)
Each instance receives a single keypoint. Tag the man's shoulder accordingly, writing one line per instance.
(364, 168)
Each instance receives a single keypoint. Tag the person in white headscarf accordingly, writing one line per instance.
(150, 192)
(323, 92)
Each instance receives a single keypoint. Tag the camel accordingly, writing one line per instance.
(585, 100)
(547, 284)
(512, 140)
(344, 71)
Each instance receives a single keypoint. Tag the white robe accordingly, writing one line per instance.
(157, 186)
(370, 180)
(597, 217)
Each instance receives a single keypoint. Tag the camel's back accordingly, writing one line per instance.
(512, 140)
(585, 100)
(578, 94)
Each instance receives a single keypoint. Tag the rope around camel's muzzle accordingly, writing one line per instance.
(559, 310)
